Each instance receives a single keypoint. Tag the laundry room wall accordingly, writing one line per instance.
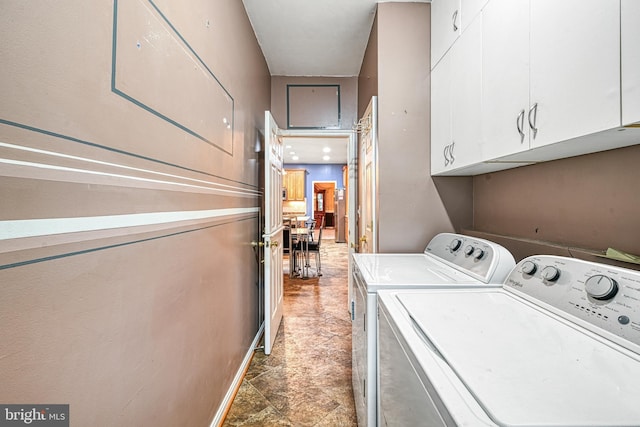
(413, 207)
(129, 188)
(587, 202)
(317, 115)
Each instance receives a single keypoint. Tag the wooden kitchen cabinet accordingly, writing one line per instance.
(294, 184)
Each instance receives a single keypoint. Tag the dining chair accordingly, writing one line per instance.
(314, 248)
(311, 224)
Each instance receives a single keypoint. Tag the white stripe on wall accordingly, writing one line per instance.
(208, 185)
(19, 229)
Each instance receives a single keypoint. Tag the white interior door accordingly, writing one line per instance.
(368, 179)
(273, 272)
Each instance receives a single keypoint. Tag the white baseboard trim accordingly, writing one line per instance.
(235, 385)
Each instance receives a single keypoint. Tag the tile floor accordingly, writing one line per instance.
(306, 381)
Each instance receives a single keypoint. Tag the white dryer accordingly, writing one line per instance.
(449, 261)
(557, 345)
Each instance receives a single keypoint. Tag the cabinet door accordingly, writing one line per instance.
(440, 115)
(294, 181)
(456, 104)
(470, 9)
(466, 97)
(445, 27)
(297, 185)
(505, 77)
(630, 14)
(285, 183)
(575, 68)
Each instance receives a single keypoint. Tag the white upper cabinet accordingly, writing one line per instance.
(574, 68)
(505, 78)
(470, 9)
(466, 96)
(456, 104)
(630, 61)
(441, 138)
(445, 27)
(557, 79)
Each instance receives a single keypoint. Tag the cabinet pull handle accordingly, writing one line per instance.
(453, 159)
(446, 155)
(454, 18)
(532, 124)
(520, 125)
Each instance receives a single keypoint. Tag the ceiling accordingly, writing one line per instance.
(311, 150)
(314, 38)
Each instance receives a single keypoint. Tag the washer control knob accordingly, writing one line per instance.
(550, 273)
(469, 250)
(478, 253)
(601, 287)
(529, 268)
(455, 244)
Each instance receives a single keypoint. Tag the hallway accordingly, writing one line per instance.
(306, 381)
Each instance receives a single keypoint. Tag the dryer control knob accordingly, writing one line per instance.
(469, 250)
(529, 267)
(550, 273)
(455, 244)
(601, 287)
(478, 253)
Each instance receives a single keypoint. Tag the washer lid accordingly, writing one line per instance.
(387, 271)
(527, 367)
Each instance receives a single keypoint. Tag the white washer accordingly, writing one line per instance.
(557, 345)
(449, 260)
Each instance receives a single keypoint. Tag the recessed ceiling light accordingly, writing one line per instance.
(293, 153)
(287, 146)
(326, 150)
(295, 157)
(326, 157)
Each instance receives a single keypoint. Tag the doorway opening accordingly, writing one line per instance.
(323, 203)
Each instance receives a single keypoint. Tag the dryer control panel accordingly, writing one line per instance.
(605, 299)
(486, 261)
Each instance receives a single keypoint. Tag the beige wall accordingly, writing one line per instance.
(589, 202)
(368, 77)
(348, 98)
(413, 207)
(140, 320)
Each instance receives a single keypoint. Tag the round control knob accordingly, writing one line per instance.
(478, 253)
(529, 267)
(550, 273)
(469, 250)
(601, 287)
(455, 244)
(624, 320)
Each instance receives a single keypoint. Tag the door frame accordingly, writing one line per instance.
(313, 192)
(351, 186)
